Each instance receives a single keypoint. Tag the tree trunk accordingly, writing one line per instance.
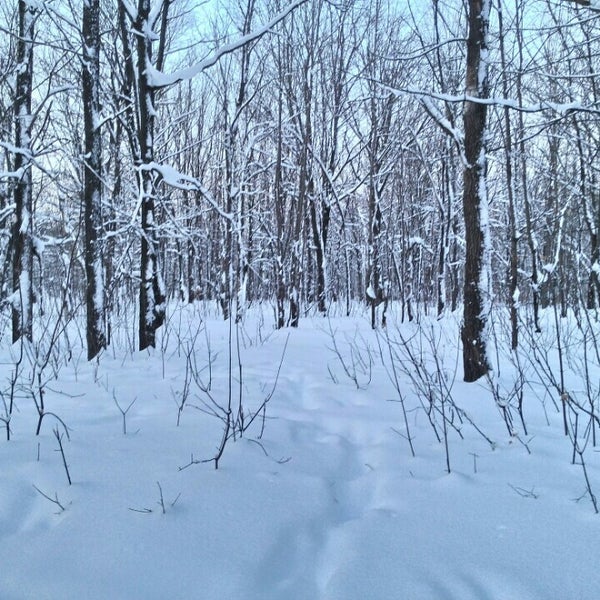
(513, 274)
(152, 294)
(320, 214)
(477, 267)
(279, 210)
(375, 292)
(22, 305)
(92, 186)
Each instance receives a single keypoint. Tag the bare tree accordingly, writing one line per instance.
(379, 144)
(143, 21)
(234, 257)
(513, 293)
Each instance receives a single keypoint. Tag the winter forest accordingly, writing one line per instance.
(361, 151)
(345, 253)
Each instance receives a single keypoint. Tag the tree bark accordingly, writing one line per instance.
(152, 294)
(22, 263)
(477, 268)
(92, 185)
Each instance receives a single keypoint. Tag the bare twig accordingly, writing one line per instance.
(123, 411)
(161, 501)
(59, 437)
(523, 492)
(54, 500)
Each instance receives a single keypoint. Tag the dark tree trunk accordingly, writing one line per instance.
(476, 284)
(513, 273)
(22, 263)
(92, 186)
(375, 293)
(320, 213)
(279, 210)
(152, 294)
(593, 291)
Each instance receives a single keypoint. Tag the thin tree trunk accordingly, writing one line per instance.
(531, 239)
(513, 277)
(320, 213)
(279, 209)
(375, 293)
(22, 264)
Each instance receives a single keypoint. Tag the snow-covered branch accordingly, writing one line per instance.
(562, 108)
(158, 79)
(175, 179)
(444, 123)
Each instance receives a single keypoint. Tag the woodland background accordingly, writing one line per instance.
(308, 155)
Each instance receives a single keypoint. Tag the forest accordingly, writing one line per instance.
(291, 290)
(305, 155)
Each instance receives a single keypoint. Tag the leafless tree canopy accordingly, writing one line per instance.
(433, 156)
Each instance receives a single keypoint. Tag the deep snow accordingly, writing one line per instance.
(328, 505)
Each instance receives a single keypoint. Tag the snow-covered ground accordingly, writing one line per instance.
(328, 504)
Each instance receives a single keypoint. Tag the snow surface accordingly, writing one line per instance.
(327, 505)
